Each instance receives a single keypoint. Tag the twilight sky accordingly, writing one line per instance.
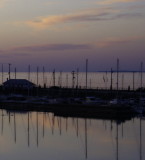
(62, 34)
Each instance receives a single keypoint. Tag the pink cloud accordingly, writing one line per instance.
(52, 47)
(107, 2)
(80, 16)
(115, 40)
(3, 2)
(97, 14)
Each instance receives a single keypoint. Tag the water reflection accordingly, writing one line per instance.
(42, 135)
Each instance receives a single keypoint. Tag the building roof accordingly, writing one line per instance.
(18, 83)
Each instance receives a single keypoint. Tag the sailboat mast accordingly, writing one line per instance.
(29, 73)
(122, 81)
(60, 79)
(133, 81)
(73, 79)
(54, 77)
(9, 71)
(77, 77)
(37, 75)
(2, 73)
(66, 80)
(15, 73)
(111, 79)
(90, 83)
(117, 75)
(141, 70)
(86, 73)
(43, 76)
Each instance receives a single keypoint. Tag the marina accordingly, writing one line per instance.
(72, 80)
(48, 109)
(23, 94)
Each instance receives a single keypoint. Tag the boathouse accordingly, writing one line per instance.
(18, 83)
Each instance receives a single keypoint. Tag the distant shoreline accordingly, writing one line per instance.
(127, 71)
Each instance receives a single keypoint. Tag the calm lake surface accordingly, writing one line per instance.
(38, 135)
(94, 80)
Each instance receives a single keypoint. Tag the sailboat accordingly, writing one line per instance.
(115, 100)
(139, 108)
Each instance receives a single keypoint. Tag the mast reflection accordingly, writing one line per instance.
(69, 132)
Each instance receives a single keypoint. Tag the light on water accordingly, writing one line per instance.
(41, 135)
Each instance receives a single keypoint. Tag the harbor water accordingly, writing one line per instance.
(43, 135)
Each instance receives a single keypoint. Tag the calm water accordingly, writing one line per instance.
(95, 79)
(36, 135)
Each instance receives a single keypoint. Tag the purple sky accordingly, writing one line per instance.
(64, 34)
